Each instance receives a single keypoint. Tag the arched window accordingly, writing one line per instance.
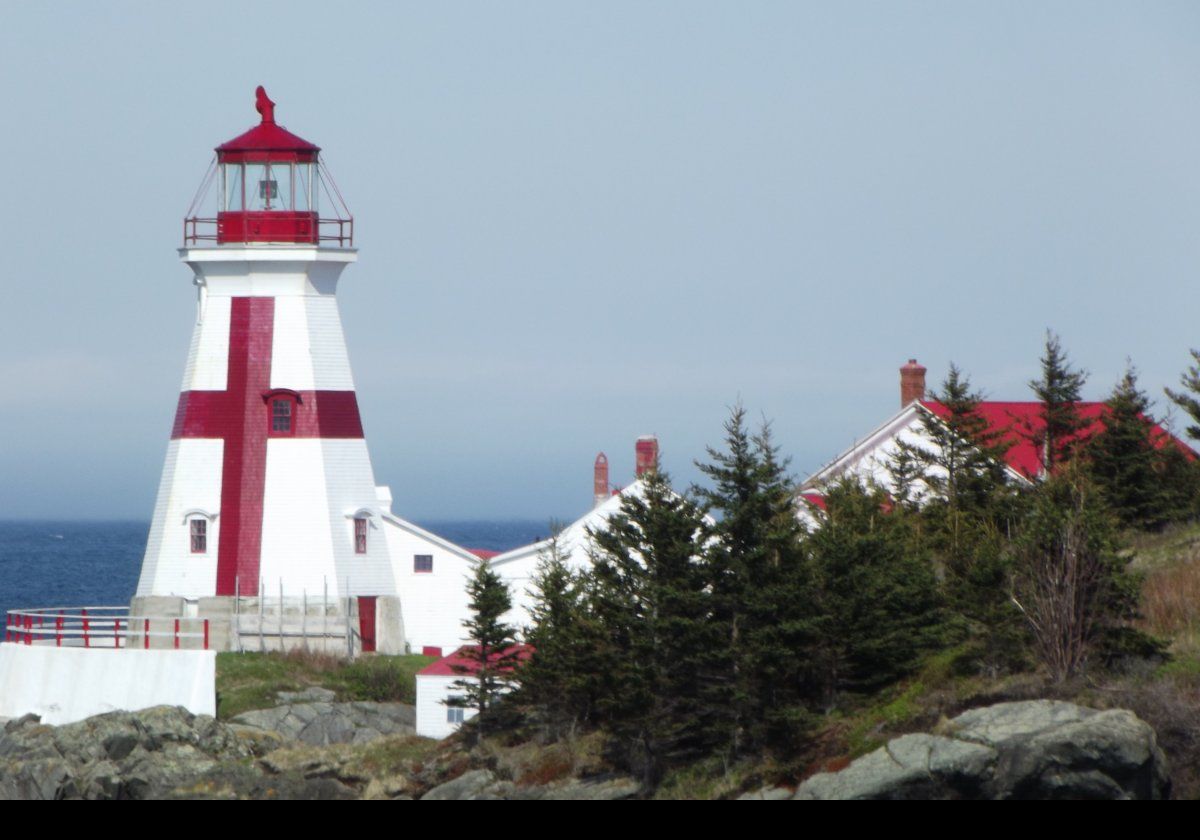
(198, 535)
(282, 405)
(360, 535)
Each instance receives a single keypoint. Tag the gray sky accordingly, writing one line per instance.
(581, 222)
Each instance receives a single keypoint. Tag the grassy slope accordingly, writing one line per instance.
(248, 681)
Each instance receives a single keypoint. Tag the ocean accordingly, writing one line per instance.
(46, 563)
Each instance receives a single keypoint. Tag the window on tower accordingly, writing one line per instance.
(198, 533)
(360, 535)
(281, 416)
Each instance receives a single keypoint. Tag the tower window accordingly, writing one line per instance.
(422, 563)
(281, 416)
(198, 533)
(360, 535)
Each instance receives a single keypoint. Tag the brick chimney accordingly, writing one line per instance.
(646, 450)
(600, 480)
(912, 382)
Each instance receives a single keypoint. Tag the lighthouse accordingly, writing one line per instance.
(268, 489)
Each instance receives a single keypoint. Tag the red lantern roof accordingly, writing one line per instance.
(267, 139)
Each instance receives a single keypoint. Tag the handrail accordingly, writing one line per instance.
(197, 229)
(102, 627)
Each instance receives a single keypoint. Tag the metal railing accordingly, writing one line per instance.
(197, 229)
(104, 627)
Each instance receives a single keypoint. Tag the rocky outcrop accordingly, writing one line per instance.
(323, 723)
(484, 784)
(1037, 749)
(120, 755)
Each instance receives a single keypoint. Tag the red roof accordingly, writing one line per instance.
(483, 553)
(267, 136)
(1018, 421)
(458, 663)
(817, 500)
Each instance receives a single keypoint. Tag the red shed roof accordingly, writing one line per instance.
(1017, 421)
(459, 663)
(483, 553)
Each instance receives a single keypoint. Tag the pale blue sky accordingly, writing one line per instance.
(582, 222)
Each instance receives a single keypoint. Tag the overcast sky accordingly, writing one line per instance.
(582, 222)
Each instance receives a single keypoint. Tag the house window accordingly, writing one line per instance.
(198, 532)
(360, 535)
(423, 563)
(281, 416)
(454, 714)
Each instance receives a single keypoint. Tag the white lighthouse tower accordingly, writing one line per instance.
(268, 487)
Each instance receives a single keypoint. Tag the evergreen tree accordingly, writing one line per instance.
(1189, 399)
(1125, 462)
(565, 675)
(961, 457)
(761, 587)
(1072, 583)
(1060, 433)
(651, 592)
(877, 598)
(491, 645)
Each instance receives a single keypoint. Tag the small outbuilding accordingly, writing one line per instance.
(436, 718)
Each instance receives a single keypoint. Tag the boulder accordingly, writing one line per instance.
(322, 723)
(1038, 749)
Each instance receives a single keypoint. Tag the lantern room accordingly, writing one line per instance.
(265, 187)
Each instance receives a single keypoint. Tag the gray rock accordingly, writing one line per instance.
(322, 724)
(909, 767)
(467, 786)
(770, 794)
(1037, 749)
(312, 694)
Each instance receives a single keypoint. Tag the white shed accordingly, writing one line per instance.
(435, 686)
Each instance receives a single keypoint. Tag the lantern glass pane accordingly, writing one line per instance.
(231, 186)
(281, 174)
(303, 186)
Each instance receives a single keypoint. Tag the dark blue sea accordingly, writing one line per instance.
(78, 564)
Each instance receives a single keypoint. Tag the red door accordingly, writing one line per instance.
(366, 622)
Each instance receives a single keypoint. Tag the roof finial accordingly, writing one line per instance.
(264, 105)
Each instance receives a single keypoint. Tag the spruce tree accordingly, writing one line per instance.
(1189, 399)
(1073, 584)
(761, 587)
(651, 593)
(491, 645)
(1059, 434)
(564, 676)
(960, 457)
(877, 598)
(1125, 462)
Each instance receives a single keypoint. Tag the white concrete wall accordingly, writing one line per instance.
(63, 685)
(191, 481)
(308, 348)
(435, 603)
(432, 692)
(207, 365)
(518, 566)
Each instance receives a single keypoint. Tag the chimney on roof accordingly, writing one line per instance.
(600, 480)
(912, 382)
(647, 454)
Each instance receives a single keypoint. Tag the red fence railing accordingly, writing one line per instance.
(104, 627)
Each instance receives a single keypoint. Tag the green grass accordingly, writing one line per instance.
(247, 681)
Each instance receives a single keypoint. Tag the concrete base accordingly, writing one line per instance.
(63, 685)
(246, 624)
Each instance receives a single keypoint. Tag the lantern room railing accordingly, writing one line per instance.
(340, 232)
(205, 222)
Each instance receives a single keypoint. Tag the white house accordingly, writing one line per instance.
(868, 459)
(436, 685)
(518, 566)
